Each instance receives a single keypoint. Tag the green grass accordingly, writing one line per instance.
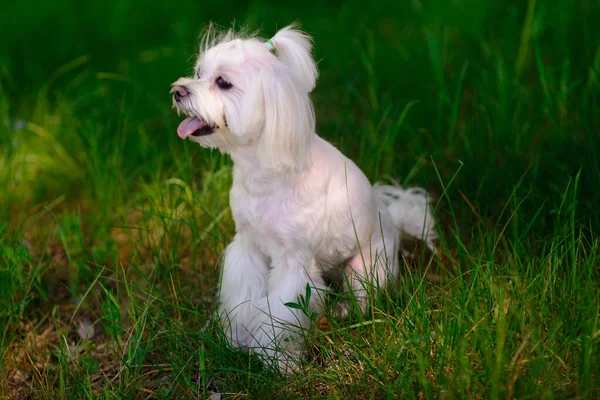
(108, 220)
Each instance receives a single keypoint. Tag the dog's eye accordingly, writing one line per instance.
(223, 83)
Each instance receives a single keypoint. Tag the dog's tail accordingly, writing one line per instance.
(410, 210)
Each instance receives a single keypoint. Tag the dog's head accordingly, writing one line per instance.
(247, 93)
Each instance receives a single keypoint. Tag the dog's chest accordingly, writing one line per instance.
(276, 220)
(264, 215)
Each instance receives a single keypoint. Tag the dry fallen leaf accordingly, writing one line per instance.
(214, 396)
(86, 330)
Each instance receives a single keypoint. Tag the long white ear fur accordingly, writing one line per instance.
(293, 49)
(289, 124)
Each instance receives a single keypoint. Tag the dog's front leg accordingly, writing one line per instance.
(243, 283)
(277, 330)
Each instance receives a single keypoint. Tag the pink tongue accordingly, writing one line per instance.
(189, 126)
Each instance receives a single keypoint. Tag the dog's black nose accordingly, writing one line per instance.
(179, 92)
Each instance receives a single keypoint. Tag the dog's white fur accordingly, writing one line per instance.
(301, 208)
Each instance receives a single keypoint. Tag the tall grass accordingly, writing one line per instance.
(112, 229)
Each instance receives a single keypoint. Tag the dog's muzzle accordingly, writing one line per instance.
(194, 125)
(179, 92)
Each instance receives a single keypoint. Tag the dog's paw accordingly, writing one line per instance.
(235, 334)
(342, 310)
(279, 344)
(344, 307)
(289, 362)
(234, 325)
(284, 355)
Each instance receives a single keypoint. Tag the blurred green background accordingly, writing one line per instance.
(487, 84)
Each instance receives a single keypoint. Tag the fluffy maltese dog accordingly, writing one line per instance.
(302, 210)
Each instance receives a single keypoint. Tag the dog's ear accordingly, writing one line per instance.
(293, 48)
(289, 120)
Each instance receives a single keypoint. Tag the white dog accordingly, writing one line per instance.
(301, 208)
